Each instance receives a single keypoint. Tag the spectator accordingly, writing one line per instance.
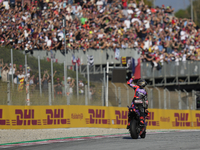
(49, 80)
(81, 87)
(70, 83)
(16, 79)
(31, 83)
(11, 71)
(4, 73)
(45, 81)
(91, 93)
(21, 78)
(20, 67)
(58, 87)
(12, 3)
(37, 83)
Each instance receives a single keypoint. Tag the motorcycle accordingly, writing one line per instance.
(137, 129)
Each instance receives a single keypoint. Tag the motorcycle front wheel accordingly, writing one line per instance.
(143, 135)
(133, 129)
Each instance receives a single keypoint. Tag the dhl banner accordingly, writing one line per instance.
(73, 116)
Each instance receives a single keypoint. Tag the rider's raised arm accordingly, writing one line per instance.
(129, 82)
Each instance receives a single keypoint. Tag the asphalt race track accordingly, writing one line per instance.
(181, 140)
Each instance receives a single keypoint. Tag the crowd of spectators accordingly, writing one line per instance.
(100, 24)
(89, 24)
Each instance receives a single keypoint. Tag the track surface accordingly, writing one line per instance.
(184, 140)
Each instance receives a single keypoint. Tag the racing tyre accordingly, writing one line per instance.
(143, 135)
(133, 129)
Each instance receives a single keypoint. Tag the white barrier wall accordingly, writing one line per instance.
(100, 56)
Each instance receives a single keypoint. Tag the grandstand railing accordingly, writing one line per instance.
(185, 72)
(101, 56)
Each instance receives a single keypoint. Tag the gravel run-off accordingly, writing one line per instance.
(10, 136)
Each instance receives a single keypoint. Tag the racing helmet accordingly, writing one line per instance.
(141, 83)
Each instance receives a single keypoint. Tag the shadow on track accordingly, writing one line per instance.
(127, 137)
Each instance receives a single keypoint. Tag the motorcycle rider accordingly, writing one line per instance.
(139, 91)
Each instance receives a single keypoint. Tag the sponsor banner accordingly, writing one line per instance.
(173, 119)
(41, 117)
(38, 117)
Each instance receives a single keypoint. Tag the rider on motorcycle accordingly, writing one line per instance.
(139, 91)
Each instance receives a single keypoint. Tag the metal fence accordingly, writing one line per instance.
(118, 96)
(31, 96)
(165, 99)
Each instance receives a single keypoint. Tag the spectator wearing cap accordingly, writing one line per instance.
(169, 10)
(20, 67)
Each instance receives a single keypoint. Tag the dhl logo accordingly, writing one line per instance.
(3, 121)
(151, 121)
(97, 116)
(123, 60)
(197, 123)
(121, 117)
(181, 119)
(25, 117)
(55, 116)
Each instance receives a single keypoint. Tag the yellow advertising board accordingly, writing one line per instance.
(174, 119)
(73, 116)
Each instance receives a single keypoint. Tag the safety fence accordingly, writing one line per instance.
(73, 116)
(118, 95)
(162, 98)
(31, 95)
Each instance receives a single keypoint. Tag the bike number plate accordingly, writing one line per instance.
(138, 101)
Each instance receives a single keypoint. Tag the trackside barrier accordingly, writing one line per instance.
(41, 117)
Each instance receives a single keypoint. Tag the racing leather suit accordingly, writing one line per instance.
(137, 95)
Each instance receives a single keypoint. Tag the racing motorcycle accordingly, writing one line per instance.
(136, 128)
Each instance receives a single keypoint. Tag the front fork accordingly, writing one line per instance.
(143, 130)
(145, 123)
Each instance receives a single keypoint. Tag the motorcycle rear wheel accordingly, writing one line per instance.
(133, 129)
